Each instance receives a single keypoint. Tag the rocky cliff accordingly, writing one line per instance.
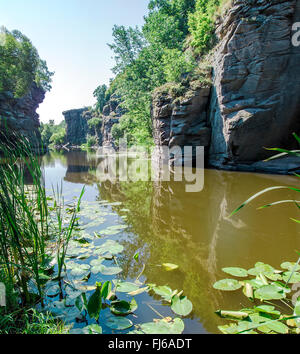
(77, 127)
(253, 100)
(19, 114)
(112, 112)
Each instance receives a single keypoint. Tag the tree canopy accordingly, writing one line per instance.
(20, 64)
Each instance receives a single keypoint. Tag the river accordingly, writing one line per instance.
(165, 224)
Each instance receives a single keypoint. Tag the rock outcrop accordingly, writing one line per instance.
(253, 101)
(77, 127)
(179, 115)
(112, 112)
(19, 114)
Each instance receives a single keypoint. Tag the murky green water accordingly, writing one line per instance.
(165, 224)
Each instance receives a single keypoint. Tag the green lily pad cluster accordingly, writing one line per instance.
(108, 305)
(262, 285)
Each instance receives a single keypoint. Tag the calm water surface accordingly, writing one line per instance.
(166, 224)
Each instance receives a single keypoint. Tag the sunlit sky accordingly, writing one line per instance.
(72, 36)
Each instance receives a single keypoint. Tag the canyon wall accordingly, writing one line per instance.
(19, 114)
(253, 99)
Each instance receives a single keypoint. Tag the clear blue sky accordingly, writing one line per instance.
(72, 36)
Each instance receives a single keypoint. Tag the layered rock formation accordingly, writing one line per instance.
(253, 100)
(181, 121)
(77, 127)
(256, 80)
(19, 114)
(112, 112)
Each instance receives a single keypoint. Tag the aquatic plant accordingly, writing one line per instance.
(276, 303)
(269, 286)
(26, 227)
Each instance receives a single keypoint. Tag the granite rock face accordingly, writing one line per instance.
(19, 114)
(254, 100)
(112, 112)
(77, 127)
(181, 121)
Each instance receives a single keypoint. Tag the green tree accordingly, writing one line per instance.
(20, 64)
(101, 95)
(126, 46)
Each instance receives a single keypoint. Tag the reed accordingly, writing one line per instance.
(25, 222)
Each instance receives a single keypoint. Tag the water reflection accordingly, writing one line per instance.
(193, 230)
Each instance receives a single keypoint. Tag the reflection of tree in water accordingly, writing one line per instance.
(193, 230)
(163, 223)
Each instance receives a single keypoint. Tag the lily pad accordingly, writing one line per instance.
(101, 268)
(181, 305)
(118, 323)
(163, 326)
(291, 278)
(110, 246)
(227, 285)
(261, 268)
(269, 292)
(164, 291)
(290, 266)
(123, 308)
(235, 271)
(92, 329)
(126, 287)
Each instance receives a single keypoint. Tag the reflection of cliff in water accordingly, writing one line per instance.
(194, 231)
(81, 167)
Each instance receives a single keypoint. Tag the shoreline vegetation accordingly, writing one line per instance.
(42, 254)
(47, 259)
(273, 292)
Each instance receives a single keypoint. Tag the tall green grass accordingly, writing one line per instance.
(25, 222)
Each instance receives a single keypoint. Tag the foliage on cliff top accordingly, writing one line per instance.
(165, 50)
(20, 64)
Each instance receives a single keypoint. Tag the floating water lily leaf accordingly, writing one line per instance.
(101, 268)
(275, 326)
(273, 276)
(53, 290)
(181, 305)
(267, 309)
(126, 287)
(269, 292)
(118, 323)
(77, 269)
(237, 328)
(170, 266)
(162, 327)
(110, 246)
(113, 230)
(235, 271)
(261, 268)
(227, 285)
(164, 291)
(123, 308)
(59, 310)
(290, 266)
(92, 329)
(291, 278)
